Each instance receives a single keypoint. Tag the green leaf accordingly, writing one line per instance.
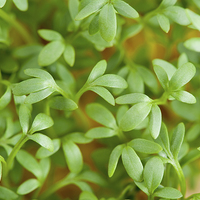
(104, 93)
(42, 140)
(94, 25)
(153, 173)
(142, 186)
(2, 3)
(45, 165)
(29, 86)
(61, 103)
(69, 54)
(100, 132)
(194, 18)
(108, 22)
(28, 186)
(114, 158)
(50, 35)
(5, 98)
(77, 137)
(167, 3)
(21, 4)
(51, 52)
(145, 146)
(120, 113)
(85, 195)
(24, 117)
(134, 116)
(73, 156)
(101, 115)
(98, 70)
(82, 185)
(184, 96)
(6, 193)
(168, 67)
(193, 132)
(125, 9)
(193, 44)
(29, 163)
(43, 153)
(132, 163)
(111, 80)
(163, 22)
(168, 192)
(182, 76)
(182, 59)
(155, 120)
(191, 156)
(177, 14)
(133, 98)
(41, 122)
(177, 139)
(90, 8)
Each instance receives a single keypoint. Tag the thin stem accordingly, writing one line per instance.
(17, 26)
(150, 197)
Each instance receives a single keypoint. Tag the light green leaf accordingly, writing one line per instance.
(155, 120)
(29, 163)
(90, 8)
(193, 44)
(6, 193)
(114, 158)
(134, 116)
(73, 8)
(177, 14)
(104, 93)
(193, 132)
(41, 121)
(145, 146)
(45, 165)
(142, 186)
(42, 140)
(133, 98)
(101, 115)
(132, 163)
(2, 3)
(24, 117)
(5, 98)
(77, 137)
(50, 35)
(82, 185)
(100, 132)
(120, 112)
(177, 139)
(69, 54)
(98, 70)
(61, 103)
(168, 192)
(191, 156)
(94, 25)
(182, 59)
(28, 186)
(51, 52)
(21, 4)
(108, 22)
(168, 67)
(73, 156)
(153, 173)
(43, 153)
(184, 96)
(194, 18)
(182, 76)
(167, 3)
(163, 22)
(125, 9)
(85, 195)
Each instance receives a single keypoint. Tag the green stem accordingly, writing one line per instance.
(150, 197)
(17, 26)
(163, 99)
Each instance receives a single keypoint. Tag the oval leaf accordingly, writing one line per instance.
(69, 54)
(21, 4)
(50, 35)
(193, 44)
(163, 22)
(6, 193)
(28, 186)
(168, 192)
(100, 132)
(184, 96)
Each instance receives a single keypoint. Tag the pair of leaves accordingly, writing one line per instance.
(53, 50)
(105, 19)
(172, 79)
(21, 5)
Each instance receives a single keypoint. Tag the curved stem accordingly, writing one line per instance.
(17, 26)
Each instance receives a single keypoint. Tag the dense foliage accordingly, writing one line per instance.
(102, 95)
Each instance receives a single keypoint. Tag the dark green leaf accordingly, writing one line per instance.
(108, 22)
(49, 35)
(163, 22)
(168, 192)
(28, 186)
(145, 146)
(114, 158)
(153, 173)
(125, 9)
(134, 116)
(94, 25)
(69, 54)
(142, 186)
(193, 132)
(51, 52)
(193, 44)
(101, 115)
(21, 5)
(6, 193)
(132, 163)
(73, 156)
(100, 132)
(184, 96)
